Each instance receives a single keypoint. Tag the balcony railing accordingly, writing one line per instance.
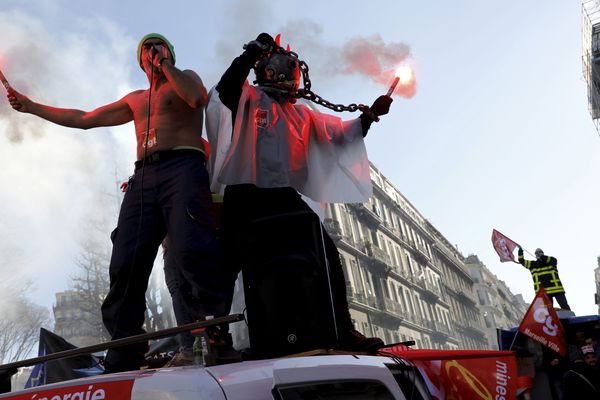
(429, 324)
(394, 308)
(378, 256)
(363, 210)
(363, 298)
(441, 327)
(414, 318)
(333, 227)
(433, 288)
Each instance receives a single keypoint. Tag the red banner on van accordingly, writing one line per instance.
(112, 390)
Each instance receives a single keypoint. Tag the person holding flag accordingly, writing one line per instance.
(544, 272)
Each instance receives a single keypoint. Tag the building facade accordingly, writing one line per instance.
(78, 320)
(499, 307)
(597, 280)
(591, 56)
(404, 279)
(75, 322)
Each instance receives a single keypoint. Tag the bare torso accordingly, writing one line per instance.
(172, 121)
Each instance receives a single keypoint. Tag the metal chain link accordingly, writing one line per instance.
(308, 94)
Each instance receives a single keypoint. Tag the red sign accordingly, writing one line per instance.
(465, 374)
(472, 379)
(261, 118)
(542, 324)
(115, 390)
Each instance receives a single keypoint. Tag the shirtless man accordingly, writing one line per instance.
(176, 199)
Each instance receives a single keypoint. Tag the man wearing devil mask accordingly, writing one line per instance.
(169, 192)
(279, 150)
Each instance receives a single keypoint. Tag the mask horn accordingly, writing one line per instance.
(278, 39)
(288, 47)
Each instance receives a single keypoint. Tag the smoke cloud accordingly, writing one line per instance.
(56, 179)
(367, 56)
(372, 57)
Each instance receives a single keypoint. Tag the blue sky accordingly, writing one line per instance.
(497, 136)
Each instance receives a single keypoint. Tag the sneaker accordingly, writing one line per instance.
(353, 340)
(181, 359)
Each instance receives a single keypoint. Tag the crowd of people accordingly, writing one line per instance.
(581, 380)
(576, 375)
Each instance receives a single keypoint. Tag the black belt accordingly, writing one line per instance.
(163, 155)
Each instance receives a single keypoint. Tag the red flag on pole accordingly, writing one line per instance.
(503, 246)
(541, 323)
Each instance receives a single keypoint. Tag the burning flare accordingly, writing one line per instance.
(404, 76)
(378, 60)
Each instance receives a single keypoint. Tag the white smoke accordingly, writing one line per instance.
(56, 180)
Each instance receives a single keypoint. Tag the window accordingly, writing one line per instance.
(477, 278)
(399, 293)
(397, 257)
(392, 291)
(489, 320)
(483, 297)
(387, 291)
(595, 42)
(352, 390)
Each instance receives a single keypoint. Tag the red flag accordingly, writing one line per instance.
(464, 374)
(542, 324)
(503, 246)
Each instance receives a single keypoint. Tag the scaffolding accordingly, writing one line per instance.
(591, 56)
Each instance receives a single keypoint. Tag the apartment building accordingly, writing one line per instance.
(405, 280)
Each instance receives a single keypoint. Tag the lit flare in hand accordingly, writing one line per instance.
(404, 76)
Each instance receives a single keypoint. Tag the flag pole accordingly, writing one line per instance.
(525, 250)
(124, 341)
(514, 340)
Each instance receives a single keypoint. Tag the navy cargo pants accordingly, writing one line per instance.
(175, 199)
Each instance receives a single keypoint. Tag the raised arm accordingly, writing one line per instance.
(230, 85)
(116, 113)
(187, 84)
(522, 260)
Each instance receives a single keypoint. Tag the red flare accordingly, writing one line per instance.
(404, 79)
(393, 86)
(4, 81)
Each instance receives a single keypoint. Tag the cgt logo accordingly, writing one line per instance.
(503, 247)
(542, 316)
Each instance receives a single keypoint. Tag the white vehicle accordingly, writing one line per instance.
(294, 378)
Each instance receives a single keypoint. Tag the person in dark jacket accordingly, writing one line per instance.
(544, 272)
(267, 164)
(582, 380)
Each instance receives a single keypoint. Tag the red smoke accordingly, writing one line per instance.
(371, 57)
